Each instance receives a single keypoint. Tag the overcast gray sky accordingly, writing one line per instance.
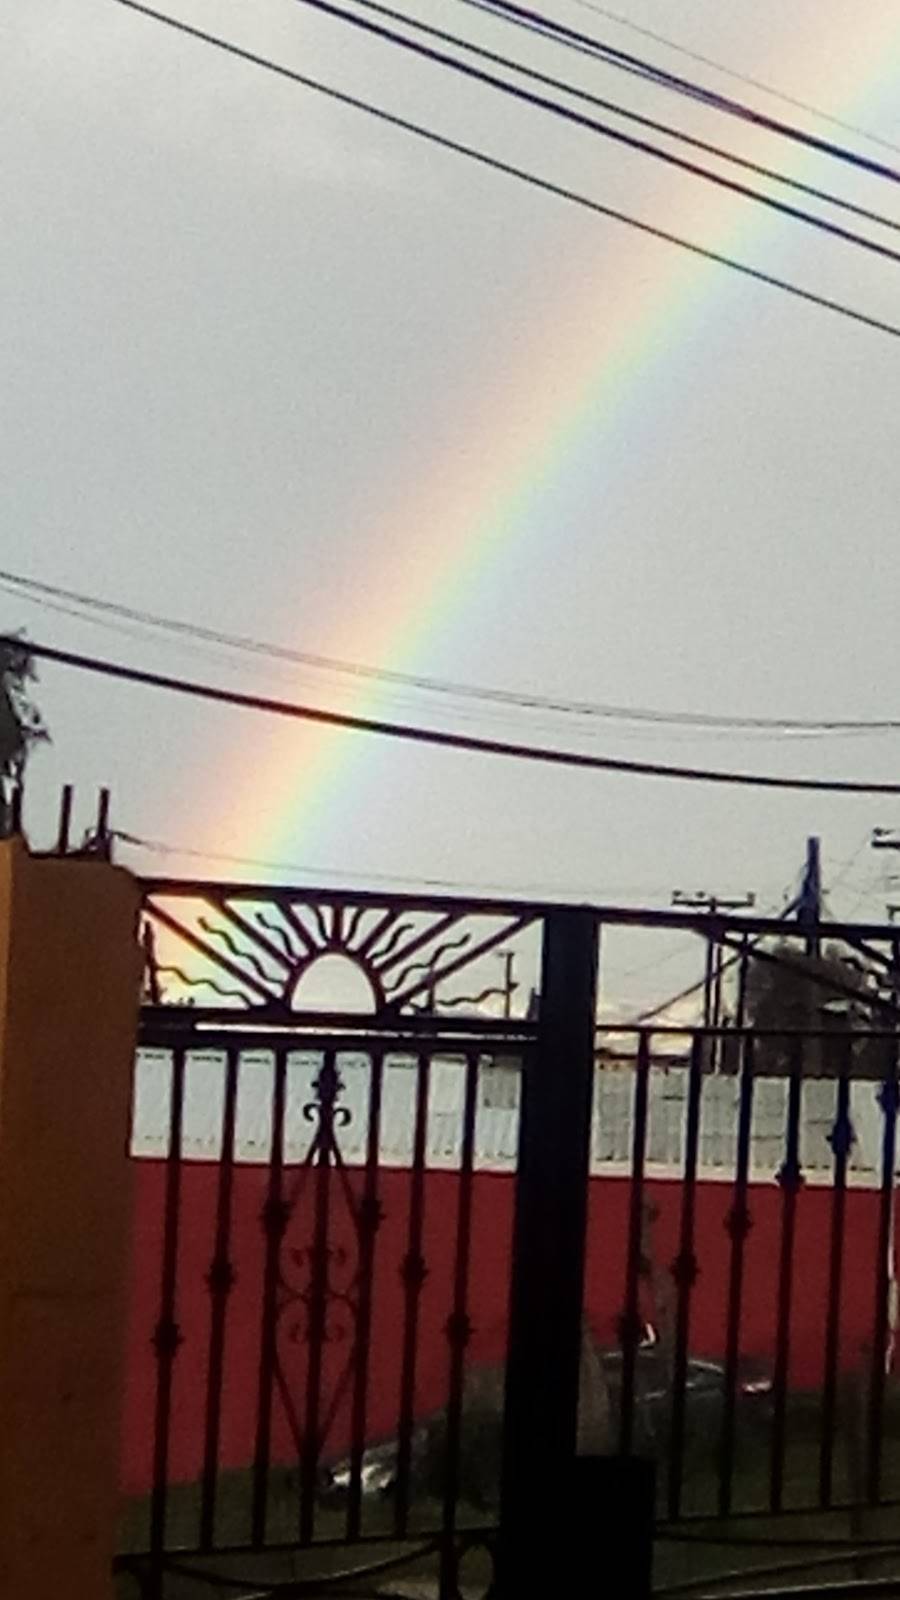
(276, 368)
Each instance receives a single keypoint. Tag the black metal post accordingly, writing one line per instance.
(738, 1224)
(67, 795)
(220, 1281)
(543, 1357)
(167, 1335)
(103, 836)
(685, 1270)
(16, 804)
(414, 1273)
(841, 1141)
(630, 1326)
(809, 908)
(790, 1177)
(274, 1219)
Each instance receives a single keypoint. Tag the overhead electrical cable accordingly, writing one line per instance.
(728, 962)
(663, 1006)
(585, 95)
(604, 130)
(523, 175)
(458, 885)
(547, 27)
(440, 738)
(75, 603)
(738, 77)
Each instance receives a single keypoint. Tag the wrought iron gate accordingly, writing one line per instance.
(368, 1274)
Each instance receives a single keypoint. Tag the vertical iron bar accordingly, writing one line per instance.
(888, 1098)
(738, 1225)
(546, 1317)
(458, 1334)
(414, 1272)
(684, 1271)
(328, 1087)
(740, 1013)
(220, 1280)
(369, 1220)
(708, 984)
(717, 1041)
(167, 1335)
(841, 1143)
(65, 819)
(274, 1220)
(16, 802)
(790, 1179)
(104, 842)
(630, 1328)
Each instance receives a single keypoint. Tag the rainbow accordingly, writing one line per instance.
(570, 389)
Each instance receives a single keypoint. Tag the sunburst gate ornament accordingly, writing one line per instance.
(264, 949)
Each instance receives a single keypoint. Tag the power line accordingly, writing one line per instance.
(680, 954)
(604, 130)
(690, 991)
(484, 699)
(546, 27)
(628, 113)
(674, 999)
(725, 965)
(738, 77)
(844, 868)
(653, 965)
(521, 174)
(753, 948)
(414, 734)
(68, 602)
(168, 848)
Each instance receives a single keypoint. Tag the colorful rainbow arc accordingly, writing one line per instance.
(577, 382)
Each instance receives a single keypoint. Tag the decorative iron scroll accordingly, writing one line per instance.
(215, 947)
(319, 1283)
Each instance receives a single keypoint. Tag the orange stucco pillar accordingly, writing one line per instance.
(69, 984)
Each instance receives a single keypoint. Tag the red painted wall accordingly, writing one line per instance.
(489, 1284)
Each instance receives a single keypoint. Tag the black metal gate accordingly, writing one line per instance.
(332, 1411)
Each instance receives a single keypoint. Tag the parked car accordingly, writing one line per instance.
(379, 1467)
(704, 1397)
(482, 1428)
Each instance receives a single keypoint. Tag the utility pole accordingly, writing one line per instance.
(700, 900)
(809, 900)
(508, 957)
(504, 991)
